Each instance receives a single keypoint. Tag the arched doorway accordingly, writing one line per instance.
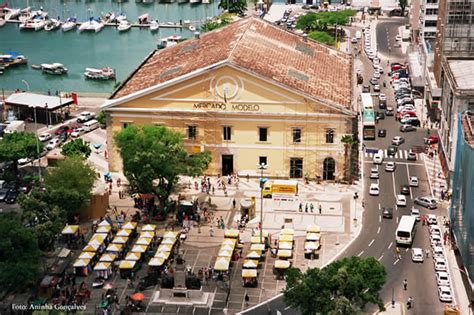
(329, 168)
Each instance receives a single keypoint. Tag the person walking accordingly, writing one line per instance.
(233, 203)
(247, 299)
(211, 231)
(301, 207)
(405, 284)
(311, 207)
(320, 209)
(306, 208)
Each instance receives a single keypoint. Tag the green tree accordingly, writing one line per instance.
(343, 287)
(101, 118)
(220, 21)
(403, 4)
(77, 147)
(320, 20)
(156, 153)
(19, 254)
(18, 145)
(322, 37)
(234, 6)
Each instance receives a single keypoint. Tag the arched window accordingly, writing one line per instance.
(329, 135)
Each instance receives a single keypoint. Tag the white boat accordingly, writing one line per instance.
(11, 14)
(91, 26)
(25, 10)
(52, 25)
(124, 26)
(54, 68)
(69, 25)
(168, 41)
(25, 15)
(192, 28)
(121, 17)
(36, 24)
(182, 1)
(3, 22)
(40, 13)
(148, 1)
(206, 1)
(144, 18)
(154, 26)
(109, 17)
(106, 73)
(194, 1)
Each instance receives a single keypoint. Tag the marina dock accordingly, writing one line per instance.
(162, 25)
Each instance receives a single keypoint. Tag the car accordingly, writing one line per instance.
(78, 132)
(401, 201)
(53, 144)
(378, 157)
(390, 166)
(392, 150)
(382, 97)
(85, 116)
(411, 156)
(417, 254)
(404, 189)
(438, 251)
(407, 128)
(406, 120)
(382, 104)
(442, 278)
(366, 88)
(402, 100)
(374, 189)
(3, 193)
(413, 181)
(382, 133)
(11, 196)
(376, 88)
(405, 107)
(387, 213)
(445, 294)
(431, 139)
(431, 219)
(379, 69)
(374, 173)
(427, 202)
(398, 38)
(376, 60)
(435, 240)
(397, 140)
(45, 137)
(61, 130)
(434, 229)
(377, 75)
(406, 102)
(380, 115)
(374, 81)
(407, 113)
(414, 121)
(353, 40)
(439, 264)
(415, 213)
(389, 111)
(371, 55)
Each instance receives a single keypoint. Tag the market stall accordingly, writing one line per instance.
(70, 234)
(280, 267)
(148, 228)
(103, 269)
(232, 233)
(311, 250)
(222, 265)
(108, 257)
(287, 231)
(284, 253)
(126, 267)
(285, 245)
(249, 278)
(82, 267)
(250, 264)
(260, 247)
(254, 254)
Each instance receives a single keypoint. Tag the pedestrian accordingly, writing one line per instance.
(247, 299)
(211, 231)
(427, 253)
(320, 209)
(410, 302)
(301, 207)
(233, 204)
(119, 182)
(397, 250)
(405, 284)
(311, 207)
(306, 208)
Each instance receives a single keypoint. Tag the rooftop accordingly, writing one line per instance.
(37, 100)
(463, 73)
(257, 47)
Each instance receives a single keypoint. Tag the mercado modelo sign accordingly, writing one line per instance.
(226, 106)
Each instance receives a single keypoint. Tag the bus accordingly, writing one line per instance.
(368, 125)
(367, 102)
(406, 230)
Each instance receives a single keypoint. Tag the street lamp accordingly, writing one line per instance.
(261, 167)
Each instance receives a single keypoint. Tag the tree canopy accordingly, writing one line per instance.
(343, 287)
(17, 145)
(234, 6)
(320, 21)
(76, 147)
(322, 37)
(153, 158)
(19, 254)
(218, 22)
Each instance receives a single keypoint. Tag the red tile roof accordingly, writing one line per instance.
(258, 47)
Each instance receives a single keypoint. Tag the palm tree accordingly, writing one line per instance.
(349, 142)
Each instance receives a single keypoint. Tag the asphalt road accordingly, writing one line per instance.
(378, 236)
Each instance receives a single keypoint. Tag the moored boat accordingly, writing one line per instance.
(124, 26)
(35, 24)
(12, 58)
(192, 28)
(91, 26)
(52, 25)
(2, 22)
(10, 14)
(154, 25)
(106, 73)
(121, 17)
(54, 68)
(69, 24)
(144, 19)
(169, 41)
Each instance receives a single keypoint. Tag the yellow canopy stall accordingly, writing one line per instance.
(249, 273)
(86, 255)
(256, 240)
(313, 236)
(168, 241)
(124, 232)
(231, 233)
(254, 254)
(129, 226)
(114, 248)
(311, 245)
(149, 228)
(313, 228)
(143, 241)
(108, 257)
(120, 240)
(282, 264)
(147, 234)
(104, 223)
(285, 245)
(164, 248)
(139, 248)
(70, 229)
(170, 235)
(133, 256)
(222, 264)
(287, 231)
(156, 262)
(127, 264)
(91, 248)
(224, 253)
(284, 253)
(162, 255)
(250, 263)
(102, 265)
(286, 238)
(229, 241)
(103, 229)
(81, 262)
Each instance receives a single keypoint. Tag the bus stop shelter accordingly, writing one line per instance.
(49, 109)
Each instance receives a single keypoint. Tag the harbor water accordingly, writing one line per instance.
(122, 51)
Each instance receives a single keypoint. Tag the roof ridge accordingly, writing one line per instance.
(237, 42)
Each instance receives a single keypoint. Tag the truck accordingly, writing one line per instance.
(15, 126)
(285, 188)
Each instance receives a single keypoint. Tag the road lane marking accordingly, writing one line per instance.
(380, 218)
(395, 262)
(380, 258)
(390, 245)
(360, 254)
(370, 244)
(379, 206)
(378, 231)
(407, 249)
(397, 219)
(394, 189)
(408, 173)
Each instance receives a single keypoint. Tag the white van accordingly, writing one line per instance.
(90, 125)
(358, 35)
(378, 157)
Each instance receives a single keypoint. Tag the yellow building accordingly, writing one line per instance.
(249, 93)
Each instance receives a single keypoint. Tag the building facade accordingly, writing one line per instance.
(249, 93)
(457, 84)
(462, 202)
(429, 19)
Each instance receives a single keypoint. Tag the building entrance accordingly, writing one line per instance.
(329, 168)
(296, 168)
(227, 164)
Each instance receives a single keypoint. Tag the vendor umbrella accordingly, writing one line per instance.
(138, 296)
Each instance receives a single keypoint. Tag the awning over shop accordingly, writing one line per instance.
(282, 264)
(70, 229)
(127, 264)
(231, 233)
(249, 273)
(27, 99)
(156, 262)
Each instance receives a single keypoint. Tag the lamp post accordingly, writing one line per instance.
(261, 167)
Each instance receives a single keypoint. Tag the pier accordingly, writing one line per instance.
(162, 25)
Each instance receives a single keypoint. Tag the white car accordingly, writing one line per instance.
(78, 132)
(439, 264)
(413, 182)
(415, 213)
(380, 69)
(432, 219)
(398, 38)
(85, 116)
(435, 240)
(377, 75)
(374, 189)
(417, 254)
(445, 294)
(45, 137)
(442, 278)
(397, 140)
(406, 108)
(434, 229)
(374, 173)
(53, 144)
(378, 157)
(401, 201)
(382, 97)
(390, 166)
(438, 251)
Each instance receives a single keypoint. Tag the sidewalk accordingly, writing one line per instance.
(397, 309)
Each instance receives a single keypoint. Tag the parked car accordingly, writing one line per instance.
(390, 166)
(54, 143)
(61, 130)
(397, 140)
(374, 173)
(404, 189)
(78, 132)
(376, 88)
(415, 213)
(382, 133)
(392, 150)
(407, 128)
(439, 264)
(445, 294)
(417, 254)
(85, 116)
(366, 89)
(374, 189)
(387, 213)
(432, 219)
(374, 81)
(389, 111)
(438, 251)
(45, 137)
(413, 181)
(427, 202)
(378, 157)
(442, 278)
(11, 196)
(431, 139)
(414, 121)
(3, 193)
(382, 97)
(411, 156)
